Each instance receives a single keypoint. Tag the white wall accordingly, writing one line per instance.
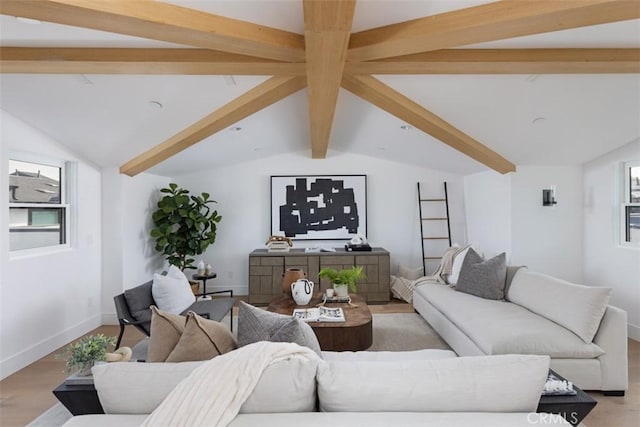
(140, 197)
(505, 214)
(48, 300)
(112, 223)
(606, 263)
(487, 202)
(129, 257)
(243, 195)
(547, 239)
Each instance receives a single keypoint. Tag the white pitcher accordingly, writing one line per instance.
(302, 291)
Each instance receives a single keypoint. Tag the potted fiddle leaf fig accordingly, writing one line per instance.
(184, 225)
(343, 280)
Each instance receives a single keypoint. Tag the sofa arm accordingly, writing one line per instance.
(612, 338)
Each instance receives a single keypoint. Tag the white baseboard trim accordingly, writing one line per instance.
(39, 350)
(633, 331)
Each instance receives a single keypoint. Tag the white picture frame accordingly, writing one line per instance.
(319, 207)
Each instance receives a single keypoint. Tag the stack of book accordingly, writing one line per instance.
(319, 314)
(335, 298)
(558, 387)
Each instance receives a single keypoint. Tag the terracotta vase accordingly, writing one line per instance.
(290, 276)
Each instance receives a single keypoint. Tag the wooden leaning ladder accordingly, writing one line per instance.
(424, 238)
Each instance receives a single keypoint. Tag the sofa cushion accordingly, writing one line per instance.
(139, 299)
(172, 293)
(576, 307)
(501, 327)
(461, 384)
(483, 278)
(369, 419)
(386, 356)
(138, 388)
(100, 420)
(286, 386)
(404, 419)
(202, 339)
(256, 324)
(166, 330)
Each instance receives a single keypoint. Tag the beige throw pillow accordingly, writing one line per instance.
(202, 339)
(166, 330)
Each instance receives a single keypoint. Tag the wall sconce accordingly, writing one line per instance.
(549, 196)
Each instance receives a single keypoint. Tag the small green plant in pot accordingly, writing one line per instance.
(83, 354)
(184, 225)
(343, 280)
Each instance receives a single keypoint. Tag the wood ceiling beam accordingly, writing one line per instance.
(505, 61)
(402, 107)
(27, 60)
(327, 27)
(494, 21)
(261, 96)
(166, 22)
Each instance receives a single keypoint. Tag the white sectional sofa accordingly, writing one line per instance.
(420, 388)
(585, 338)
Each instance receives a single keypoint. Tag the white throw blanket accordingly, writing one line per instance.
(444, 269)
(214, 392)
(402, 288)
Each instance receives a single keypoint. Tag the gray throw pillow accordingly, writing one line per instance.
(297, 331)
(483, 278)
(255, 324)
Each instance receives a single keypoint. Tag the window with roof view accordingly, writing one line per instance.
(37, 209)
(631, 204)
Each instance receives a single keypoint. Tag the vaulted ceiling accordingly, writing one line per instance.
(501, 83)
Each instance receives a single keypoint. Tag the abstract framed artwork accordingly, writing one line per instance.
(319, 207)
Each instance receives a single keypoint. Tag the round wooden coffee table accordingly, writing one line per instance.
(355, 334)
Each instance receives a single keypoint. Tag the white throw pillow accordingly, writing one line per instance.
(457, 266)
(176, 273)
(172, 293)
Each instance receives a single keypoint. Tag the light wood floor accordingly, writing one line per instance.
(27, 393)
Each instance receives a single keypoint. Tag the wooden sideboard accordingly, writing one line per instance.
(266, 270)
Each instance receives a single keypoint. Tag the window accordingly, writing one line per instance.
(38, 215)
(631, 204)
